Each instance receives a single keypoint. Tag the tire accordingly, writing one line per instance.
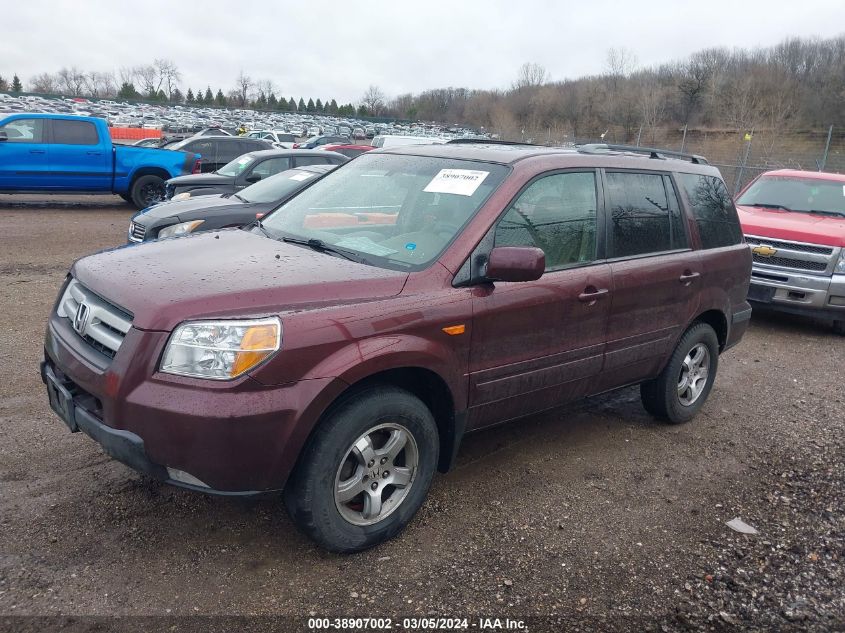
(839, 328)
(147, 190)
(662, 396)
(126, 197)
(332, 494)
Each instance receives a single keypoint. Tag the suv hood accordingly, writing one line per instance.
(200, 180)
(792, 225)
(175, 207)
(230, 273)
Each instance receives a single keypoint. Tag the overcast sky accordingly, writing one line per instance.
(331, 49)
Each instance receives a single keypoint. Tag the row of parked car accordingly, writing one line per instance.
(330, 331)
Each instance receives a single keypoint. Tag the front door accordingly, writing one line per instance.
(538, 344)
(23, 156)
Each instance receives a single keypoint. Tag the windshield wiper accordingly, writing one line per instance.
(241, 198)
(257, 223)
(767, 205)
(820, 212)
(320, 245)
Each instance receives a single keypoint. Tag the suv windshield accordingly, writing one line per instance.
(391, 210)
(804, 195)
(237, 166)
(277, 186)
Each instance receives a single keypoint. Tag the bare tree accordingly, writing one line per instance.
(148, 79)
(652, 106)
(374, 100)
(243, 86)
(168, 76)
(71, 81)
(620, 62)
(45, 83)
(530, 75)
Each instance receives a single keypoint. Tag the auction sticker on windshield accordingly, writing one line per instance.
(300, 177)
(462, 182)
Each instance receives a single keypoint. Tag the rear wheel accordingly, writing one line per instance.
(681, 389)
(126, 197)
(147, 190)
(366, 471)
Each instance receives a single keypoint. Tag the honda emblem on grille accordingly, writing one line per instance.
(80, 319)
(764, 250)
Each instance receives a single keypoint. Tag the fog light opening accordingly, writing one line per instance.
(186, 478)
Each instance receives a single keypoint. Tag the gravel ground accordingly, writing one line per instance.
(593, 517)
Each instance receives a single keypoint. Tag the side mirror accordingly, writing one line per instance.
(3, 136)
(515, 263)
(253, 178)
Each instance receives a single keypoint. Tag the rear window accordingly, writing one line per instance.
(713, 209)
(74, 133)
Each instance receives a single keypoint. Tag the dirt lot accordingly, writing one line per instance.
(593, 517)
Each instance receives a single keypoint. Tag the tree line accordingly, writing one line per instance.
(159, 82)
(796, 83)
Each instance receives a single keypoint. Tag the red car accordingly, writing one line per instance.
(341, 362)
(348, 150)
(795, 224)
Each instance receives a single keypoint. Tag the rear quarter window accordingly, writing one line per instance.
(713, 210)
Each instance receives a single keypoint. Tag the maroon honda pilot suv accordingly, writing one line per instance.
(338, 350)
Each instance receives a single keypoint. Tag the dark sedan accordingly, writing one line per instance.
(247, 170)
(217, 151)
(207, 213)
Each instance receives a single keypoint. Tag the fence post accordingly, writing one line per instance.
(749, 137)
(639, 134)
(684, 140)
(826, 148)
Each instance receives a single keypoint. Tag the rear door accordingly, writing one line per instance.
(656, 274)
(538, 344)
(23, 156)
(78, 157)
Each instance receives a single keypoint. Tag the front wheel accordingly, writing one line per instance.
(366, 471)
(147, 190)
(680, 390)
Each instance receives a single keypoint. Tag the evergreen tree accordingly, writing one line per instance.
(209, 96)
(220, 99)
(16, 84)
(310, 106)
(291, 105)
(301, 105)
(4, 85)
(161, 96)
(127, 91)
(319, 105)
(189, 98)
(177, 96)
(272, 102)
(332, 107)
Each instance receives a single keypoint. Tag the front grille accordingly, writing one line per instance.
(783, 262)
(137, 232)
(101, 324)
(793, 246)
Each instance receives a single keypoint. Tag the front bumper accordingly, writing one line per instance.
(239, 437)
(812, 295)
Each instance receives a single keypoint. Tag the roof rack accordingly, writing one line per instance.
(488, 141)
(659, 154)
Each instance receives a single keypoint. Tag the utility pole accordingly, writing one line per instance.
(748, 139)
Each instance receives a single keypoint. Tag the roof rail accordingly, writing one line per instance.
(659, 154)
(488, 141)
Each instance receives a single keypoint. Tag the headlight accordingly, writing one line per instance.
(181, 196)
(180, 229)
(840, 265)
(221, 350)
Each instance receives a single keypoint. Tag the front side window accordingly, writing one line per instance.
(644, 215)
(271, 166)
(389, 210)
(557, 214)
(24, 131)
(713, 209)
(237, 166)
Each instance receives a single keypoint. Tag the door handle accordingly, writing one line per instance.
(36, 151)
(592, 294)
(94, 153)
(688, 276)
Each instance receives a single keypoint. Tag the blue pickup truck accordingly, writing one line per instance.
(52, 152)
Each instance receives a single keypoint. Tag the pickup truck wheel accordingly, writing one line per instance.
(839, 327)
(147, 190)
(366, 470)
(126, 197)
(680, 390)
